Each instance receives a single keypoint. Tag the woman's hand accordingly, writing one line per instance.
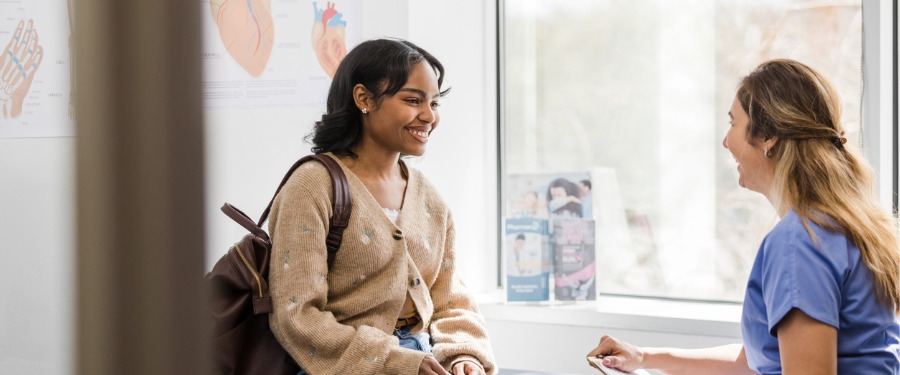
(467, 368)
(430, 366)
(618, 354)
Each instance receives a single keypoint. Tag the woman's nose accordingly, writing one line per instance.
(428, 115)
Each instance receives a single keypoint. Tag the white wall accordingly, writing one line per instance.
(562, 348)
(555, 337)
(462, 157)
(36, 255)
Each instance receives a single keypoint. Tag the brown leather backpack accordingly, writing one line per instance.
(240, 304)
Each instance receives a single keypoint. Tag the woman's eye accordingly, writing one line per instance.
(412, 101)
(435, 104)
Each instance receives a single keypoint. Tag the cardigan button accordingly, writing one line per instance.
(415, 282)
(398, 235)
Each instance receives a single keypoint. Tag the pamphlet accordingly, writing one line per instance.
(528, 259)
(574, 263)
(550, 195)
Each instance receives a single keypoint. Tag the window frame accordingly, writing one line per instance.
(879, 106)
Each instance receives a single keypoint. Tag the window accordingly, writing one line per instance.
(642, 88)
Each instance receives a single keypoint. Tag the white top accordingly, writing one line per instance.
(391, 214)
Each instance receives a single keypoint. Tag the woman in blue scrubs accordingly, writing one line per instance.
(823, 294)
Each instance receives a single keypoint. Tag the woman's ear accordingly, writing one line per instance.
(361, 97)
(771, 143)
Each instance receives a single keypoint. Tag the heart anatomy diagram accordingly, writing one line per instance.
(329, 37)
(247, 31)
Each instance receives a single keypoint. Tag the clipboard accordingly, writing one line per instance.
(611, 371)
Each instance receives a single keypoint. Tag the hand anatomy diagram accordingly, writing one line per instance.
(20, 60)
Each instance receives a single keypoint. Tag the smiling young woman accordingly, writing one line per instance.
(400, 124)
(391, 303)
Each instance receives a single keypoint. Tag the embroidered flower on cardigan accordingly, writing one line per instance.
(358, 280)
(287, 258)
(367, 236)
(426, 239)
(293, 303)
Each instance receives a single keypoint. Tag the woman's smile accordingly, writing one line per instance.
(419, 134)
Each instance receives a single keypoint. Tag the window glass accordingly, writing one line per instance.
(639, 90)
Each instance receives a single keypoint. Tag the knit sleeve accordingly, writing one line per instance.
(457, 327)
(298, 282)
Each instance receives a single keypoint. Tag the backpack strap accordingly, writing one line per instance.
(245, 221)
(340, 206)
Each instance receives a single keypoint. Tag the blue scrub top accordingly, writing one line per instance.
(830, 283)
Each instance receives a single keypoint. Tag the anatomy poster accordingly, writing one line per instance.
(275, 52)
(36, 92)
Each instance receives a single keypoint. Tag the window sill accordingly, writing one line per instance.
(627, 313)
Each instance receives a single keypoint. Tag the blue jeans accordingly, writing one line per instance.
(420, 341)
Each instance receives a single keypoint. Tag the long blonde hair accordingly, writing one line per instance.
(816, 174)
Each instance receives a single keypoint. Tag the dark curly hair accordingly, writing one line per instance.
(383, 67)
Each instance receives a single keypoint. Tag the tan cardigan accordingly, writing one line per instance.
(341, 322)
